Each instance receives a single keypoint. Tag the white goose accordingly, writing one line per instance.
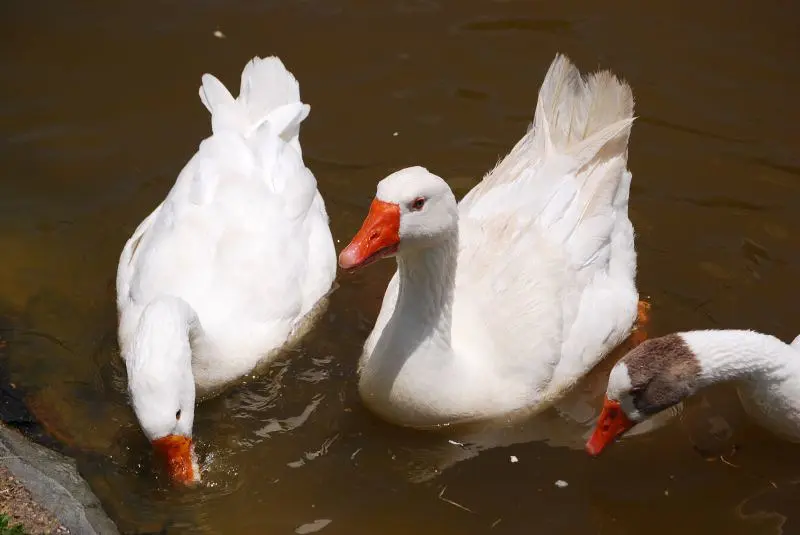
(229, 268)
(502, 302)
(662, 372)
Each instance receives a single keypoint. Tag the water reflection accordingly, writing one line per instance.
(100, 112)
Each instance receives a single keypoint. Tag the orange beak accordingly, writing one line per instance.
(612, 423)
(176, 452)
(378, 237)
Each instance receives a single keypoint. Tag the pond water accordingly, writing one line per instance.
(99, 112)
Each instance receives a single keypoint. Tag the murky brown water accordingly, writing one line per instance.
(99, 112)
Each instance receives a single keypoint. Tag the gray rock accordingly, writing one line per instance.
(54, 483)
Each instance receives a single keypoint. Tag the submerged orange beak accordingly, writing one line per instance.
(378, 237)
(612, 423)
(176, 452)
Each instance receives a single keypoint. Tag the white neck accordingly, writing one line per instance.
(161, 341)
(159, 362)
(768, 371)
(163, 322)
(425, 297)
(730, 355)
(413, 376)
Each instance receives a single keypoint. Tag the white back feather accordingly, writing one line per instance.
(233, 237)
(548, 230)
(269, 93)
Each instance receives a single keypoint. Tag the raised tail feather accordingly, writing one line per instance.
(583, 126)
(577, 121)
(269, 94)
(572, 111)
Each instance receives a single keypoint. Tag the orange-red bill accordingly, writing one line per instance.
(612, 423)
(176, 452)
(378, 237)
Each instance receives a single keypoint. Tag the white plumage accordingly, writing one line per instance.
(530, 280)
(225, 271)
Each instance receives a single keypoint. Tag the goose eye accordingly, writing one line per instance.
(418, 203)
(178, 415)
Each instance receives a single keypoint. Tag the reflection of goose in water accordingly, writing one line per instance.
(567, 424)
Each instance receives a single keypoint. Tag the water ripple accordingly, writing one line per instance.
(517, 24)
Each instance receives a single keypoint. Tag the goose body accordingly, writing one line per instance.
(661, 372)
(230, 267)
(502, 302)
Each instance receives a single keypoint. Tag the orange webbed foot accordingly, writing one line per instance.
(643, 315)
(639, 333)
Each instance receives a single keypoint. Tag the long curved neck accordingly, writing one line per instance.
(725, 355)
(413, 376)
(162, 339)
(424, 310)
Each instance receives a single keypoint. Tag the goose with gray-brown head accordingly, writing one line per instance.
(661, 372)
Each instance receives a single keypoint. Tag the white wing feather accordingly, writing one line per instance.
(546, 243)
(235, 234)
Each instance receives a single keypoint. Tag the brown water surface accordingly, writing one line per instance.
(99, 111)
